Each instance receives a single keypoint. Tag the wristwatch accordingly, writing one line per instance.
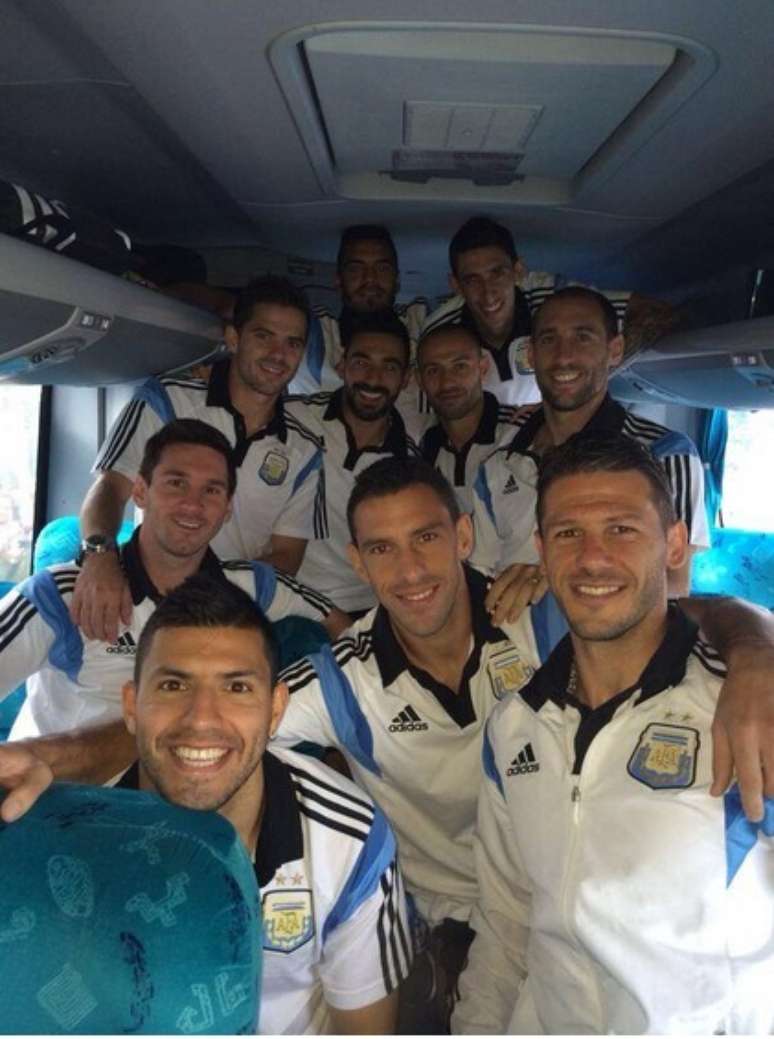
(96, 545)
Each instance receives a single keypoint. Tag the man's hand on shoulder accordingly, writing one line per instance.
(25, 776)
(101, 598)
(519, 585)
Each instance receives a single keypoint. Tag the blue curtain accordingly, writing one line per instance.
(712, 448)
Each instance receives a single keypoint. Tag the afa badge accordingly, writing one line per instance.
(288, 920)
(507, 672)
(274, 468)
(665, 757)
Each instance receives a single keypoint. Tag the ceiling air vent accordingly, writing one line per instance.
(483, 168)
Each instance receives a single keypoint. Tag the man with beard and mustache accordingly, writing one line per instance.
(575, 343)
(359, 424)
(368, 278)
(616, 896)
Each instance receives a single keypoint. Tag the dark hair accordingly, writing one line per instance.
(605, 453)
(392, 475)
(479, 233)
(609, 315)
(202, 601)
(269, 288)
(440, 330)
(187, 431)
(365, 233)
(377, 322)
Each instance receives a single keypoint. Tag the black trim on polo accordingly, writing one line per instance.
(140, 585)
(395, 442)
(218, 396)
(608, 418)
(392, 660)
(436, 438)
(666, 668)
(522, 326)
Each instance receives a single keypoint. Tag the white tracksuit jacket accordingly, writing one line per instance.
(617, 896)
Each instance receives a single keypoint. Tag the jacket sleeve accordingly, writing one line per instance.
(25, 640)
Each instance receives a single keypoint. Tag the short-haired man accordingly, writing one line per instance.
(185, 487)
(359, 424)
(368, 278)
(278, 458)
(202, 706)
(469, 422)
(575, 343)
(495, 296)
(616, 895)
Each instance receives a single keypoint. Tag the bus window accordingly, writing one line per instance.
(748, 496)
(19, 426)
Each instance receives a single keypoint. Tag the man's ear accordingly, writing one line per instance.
(231, 337)
(353, 555)
(677, 545)
(520, 272)
(454, 285)
(140, 492)
(129, 704)
(465, 536)
(279, 703)
(616, 348)
(484, 363)
(531, 353)
(539, 547)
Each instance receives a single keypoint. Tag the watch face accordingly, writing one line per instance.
(98, 543)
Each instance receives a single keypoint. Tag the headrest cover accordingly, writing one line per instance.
(121, 913)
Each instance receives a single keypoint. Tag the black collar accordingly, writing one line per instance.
(522, 326)
(218, 396)
(281, 838)
(665, 668)
(392, 660)
(394, 443)
(436, 436)
(140, 584)
(608, 418)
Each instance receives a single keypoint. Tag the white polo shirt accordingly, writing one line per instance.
(510, 376)
(72, 680)
(317, 370)
(325, 565)
(411, 742)
(334, 920)
(277, 480)
(618, 896)
(505, 487)
(461, 466)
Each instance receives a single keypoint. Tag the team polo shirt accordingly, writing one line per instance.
(277, 479)
(510, 376)
(334, 920)
(632, 900)
(325, 565)
(411, 742)
(460, 466)
(72, 680)
(505, 486)
(317, 370)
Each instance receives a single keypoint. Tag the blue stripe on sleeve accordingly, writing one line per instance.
(481, 489)
(488, 762)
(157, 398)
(375, 857)
(741, 834)
(673, 444)
(349, 722)
(265, 584)
(66, 654)
(548, 624)
(315, 462)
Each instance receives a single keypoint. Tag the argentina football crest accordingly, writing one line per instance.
(288, 919)
(665, 757)
(507, 671)
(274, 468)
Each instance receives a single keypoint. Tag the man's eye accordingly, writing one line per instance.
(170, 685)
(567, 532)
(377, 550)
(239, 686)
(623, 528)
(427, 536)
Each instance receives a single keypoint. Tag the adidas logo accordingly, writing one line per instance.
(125, 644)
(510, 485)
(524, 762)
(407, 721)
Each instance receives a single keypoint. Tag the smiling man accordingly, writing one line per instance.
(185, 487)
(359, 424)
(616, 895)
(278, 458)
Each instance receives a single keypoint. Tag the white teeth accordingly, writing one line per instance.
(565, 376)
(419, 596)
(598, 590)
(200, 755)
